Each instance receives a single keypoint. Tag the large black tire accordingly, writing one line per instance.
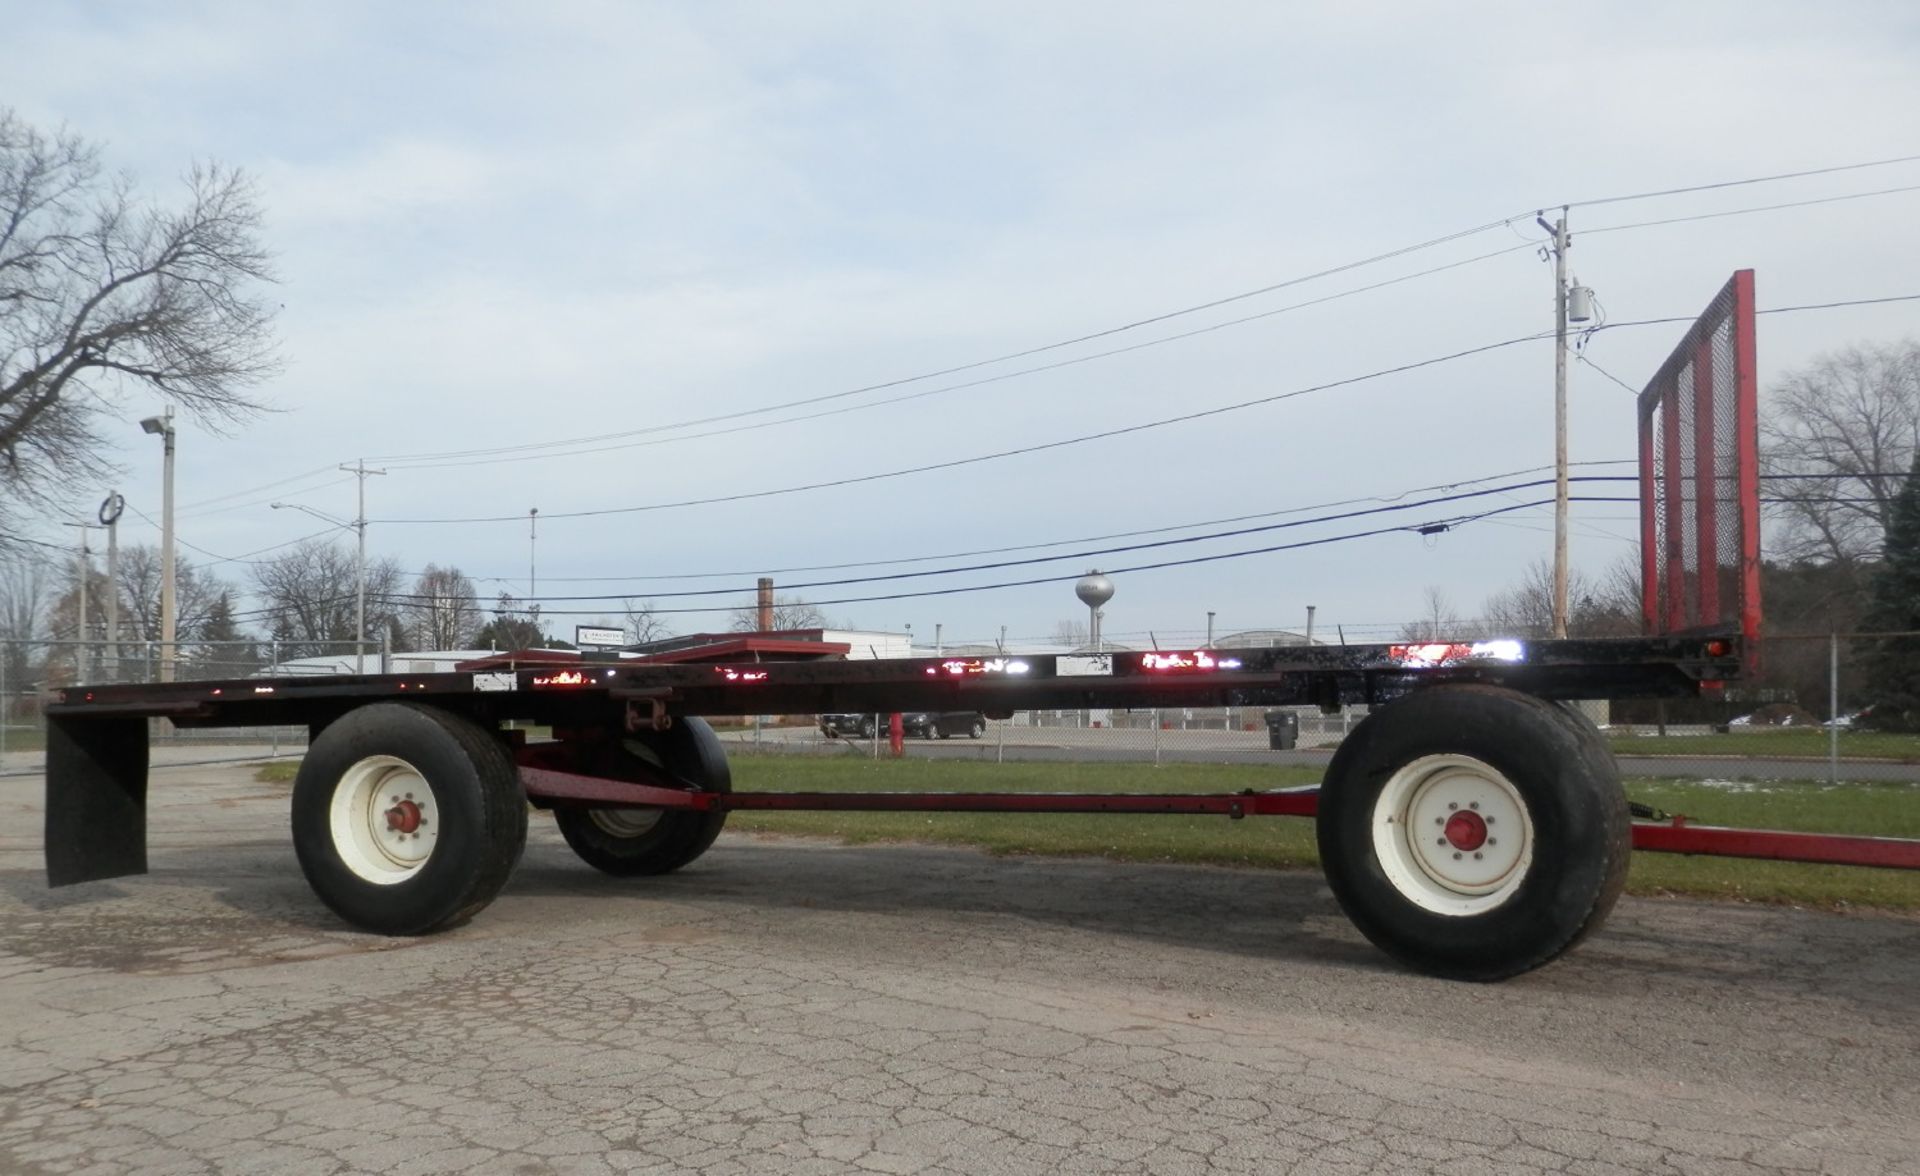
(632, 842)
(407, 819)
(867, 728)
(1409, 830)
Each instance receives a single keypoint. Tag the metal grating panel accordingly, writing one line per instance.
(1699, 476)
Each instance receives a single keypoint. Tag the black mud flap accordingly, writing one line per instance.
(96, 799)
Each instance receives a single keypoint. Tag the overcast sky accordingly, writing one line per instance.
(507, 224)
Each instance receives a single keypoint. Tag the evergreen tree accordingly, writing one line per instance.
(1892, 664)
(512, 627)
(225, 652)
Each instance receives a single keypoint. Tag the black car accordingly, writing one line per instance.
(924, 724)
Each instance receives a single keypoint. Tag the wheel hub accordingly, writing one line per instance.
(404, 817)
(1466, 831)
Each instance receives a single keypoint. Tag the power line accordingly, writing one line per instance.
(835, 567)
(217, 558)
(1768, 179)
(315, 472)
(1083, 554)
(1013, 355)
(858, 479)
(542, 451)
(513, 454)
(1152, 319)
(1148, 567)
(1681, 220)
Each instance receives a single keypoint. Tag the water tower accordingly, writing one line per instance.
(1094, 590)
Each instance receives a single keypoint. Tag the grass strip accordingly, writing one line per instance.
(1793, 744)
(1887, 810)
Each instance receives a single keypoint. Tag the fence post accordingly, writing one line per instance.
(6, 707)
(273, 660)
(1833, 707)
(1000, 747)
(1156, 736)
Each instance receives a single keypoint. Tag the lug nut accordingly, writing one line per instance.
(1493, 841)
(1476, 857)
(1452, 805)
(1474, 805)
(1489, 820)
(1456, 857)
(1439, 841)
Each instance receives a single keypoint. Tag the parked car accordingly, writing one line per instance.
(862, 725)
(921, 724)
(928, 724)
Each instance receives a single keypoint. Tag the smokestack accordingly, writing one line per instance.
(765, 602)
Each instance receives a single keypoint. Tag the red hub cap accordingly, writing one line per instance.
(1466, 831)
(405, 818)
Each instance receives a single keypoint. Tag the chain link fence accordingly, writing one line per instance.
(1801, 721)
(30, 671)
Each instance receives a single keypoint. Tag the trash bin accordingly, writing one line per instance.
(1283, 730)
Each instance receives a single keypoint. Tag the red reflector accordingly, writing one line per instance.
(1718, 648)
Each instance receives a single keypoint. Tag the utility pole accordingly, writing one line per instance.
(80, 631)
(533, 534)
(1560, 425)
(359, 468)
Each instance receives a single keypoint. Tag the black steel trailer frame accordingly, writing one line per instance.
(410, 808)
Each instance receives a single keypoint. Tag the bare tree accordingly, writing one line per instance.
(196, 593)
(1839, 436)
(23, 615)
(1072, 634)
(101, 293)
(1608, 607)
(444, 611)
(1438, 620)
(644, 623)
(789, 612)
(310, 591)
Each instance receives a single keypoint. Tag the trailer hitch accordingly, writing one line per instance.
(647, 709)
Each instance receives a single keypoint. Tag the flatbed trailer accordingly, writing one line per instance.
(1472, 825)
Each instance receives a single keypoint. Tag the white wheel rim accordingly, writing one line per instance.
(384, 819)
(1453, 835)
(630, 822)
(625, 822)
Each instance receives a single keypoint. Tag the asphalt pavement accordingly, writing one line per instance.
(788, 1006)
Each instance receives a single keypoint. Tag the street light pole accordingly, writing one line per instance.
(169, 620)
(359, 468)
(110, 517)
